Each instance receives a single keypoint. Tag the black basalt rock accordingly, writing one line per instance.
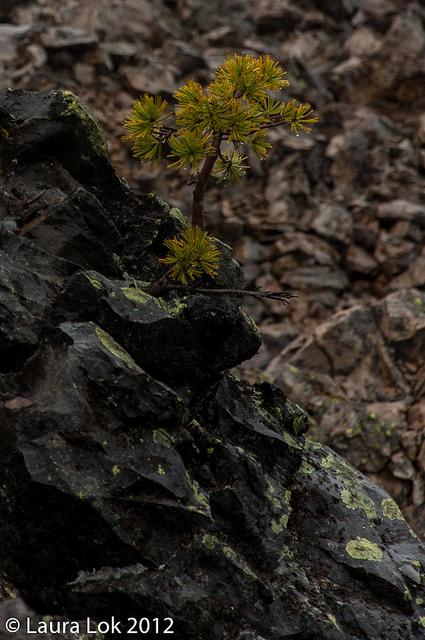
(138, 478)
(184, 338)
(72, 205)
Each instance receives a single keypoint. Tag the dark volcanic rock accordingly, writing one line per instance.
(183, 338)
(30, 284)
(52, 143)
(256, 514)
(137, 477)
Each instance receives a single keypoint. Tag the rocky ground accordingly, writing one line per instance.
(338, 215)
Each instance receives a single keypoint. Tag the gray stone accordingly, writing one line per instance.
(334, 222)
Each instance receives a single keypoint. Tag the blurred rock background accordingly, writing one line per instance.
(338, 215)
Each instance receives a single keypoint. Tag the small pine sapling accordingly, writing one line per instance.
(191, 255)
(205, 133)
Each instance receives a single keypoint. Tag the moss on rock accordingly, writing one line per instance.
(76, 108)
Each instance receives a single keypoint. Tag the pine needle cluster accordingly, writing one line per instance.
(236, 108)
(191, 255)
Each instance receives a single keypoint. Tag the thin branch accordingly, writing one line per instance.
(273, 124)
(280, 296)
(268, 125)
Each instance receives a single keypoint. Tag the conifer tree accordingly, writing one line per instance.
(205, 134)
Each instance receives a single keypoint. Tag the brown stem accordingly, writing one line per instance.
(201, 183)
(160, 284)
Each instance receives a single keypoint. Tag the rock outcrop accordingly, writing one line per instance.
(339, 214)
(138, 478)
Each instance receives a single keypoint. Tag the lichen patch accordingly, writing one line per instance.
(364, 549)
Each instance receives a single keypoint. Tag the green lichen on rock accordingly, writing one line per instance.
(200, 496)
(156, 199)
(175, 306)
(212, 543)
(209, 541)
(251, 323)
(422, 621)
(95, 282)
(279, 525)
(413, 533)
(313, 444)
(298, 424)
(178, 215)
(203, 506)
(162, 437)
(306, 468)
(298, 418)
(291, 441)
(172, 307)
(137, 295)
(407, 595)
(363, 549)
(258, 402)
(286, 552)
(358, 500)
(352, 493)
(76, 108)
(340, 467)
(272, 497)
(113, 347)
(391, 510)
